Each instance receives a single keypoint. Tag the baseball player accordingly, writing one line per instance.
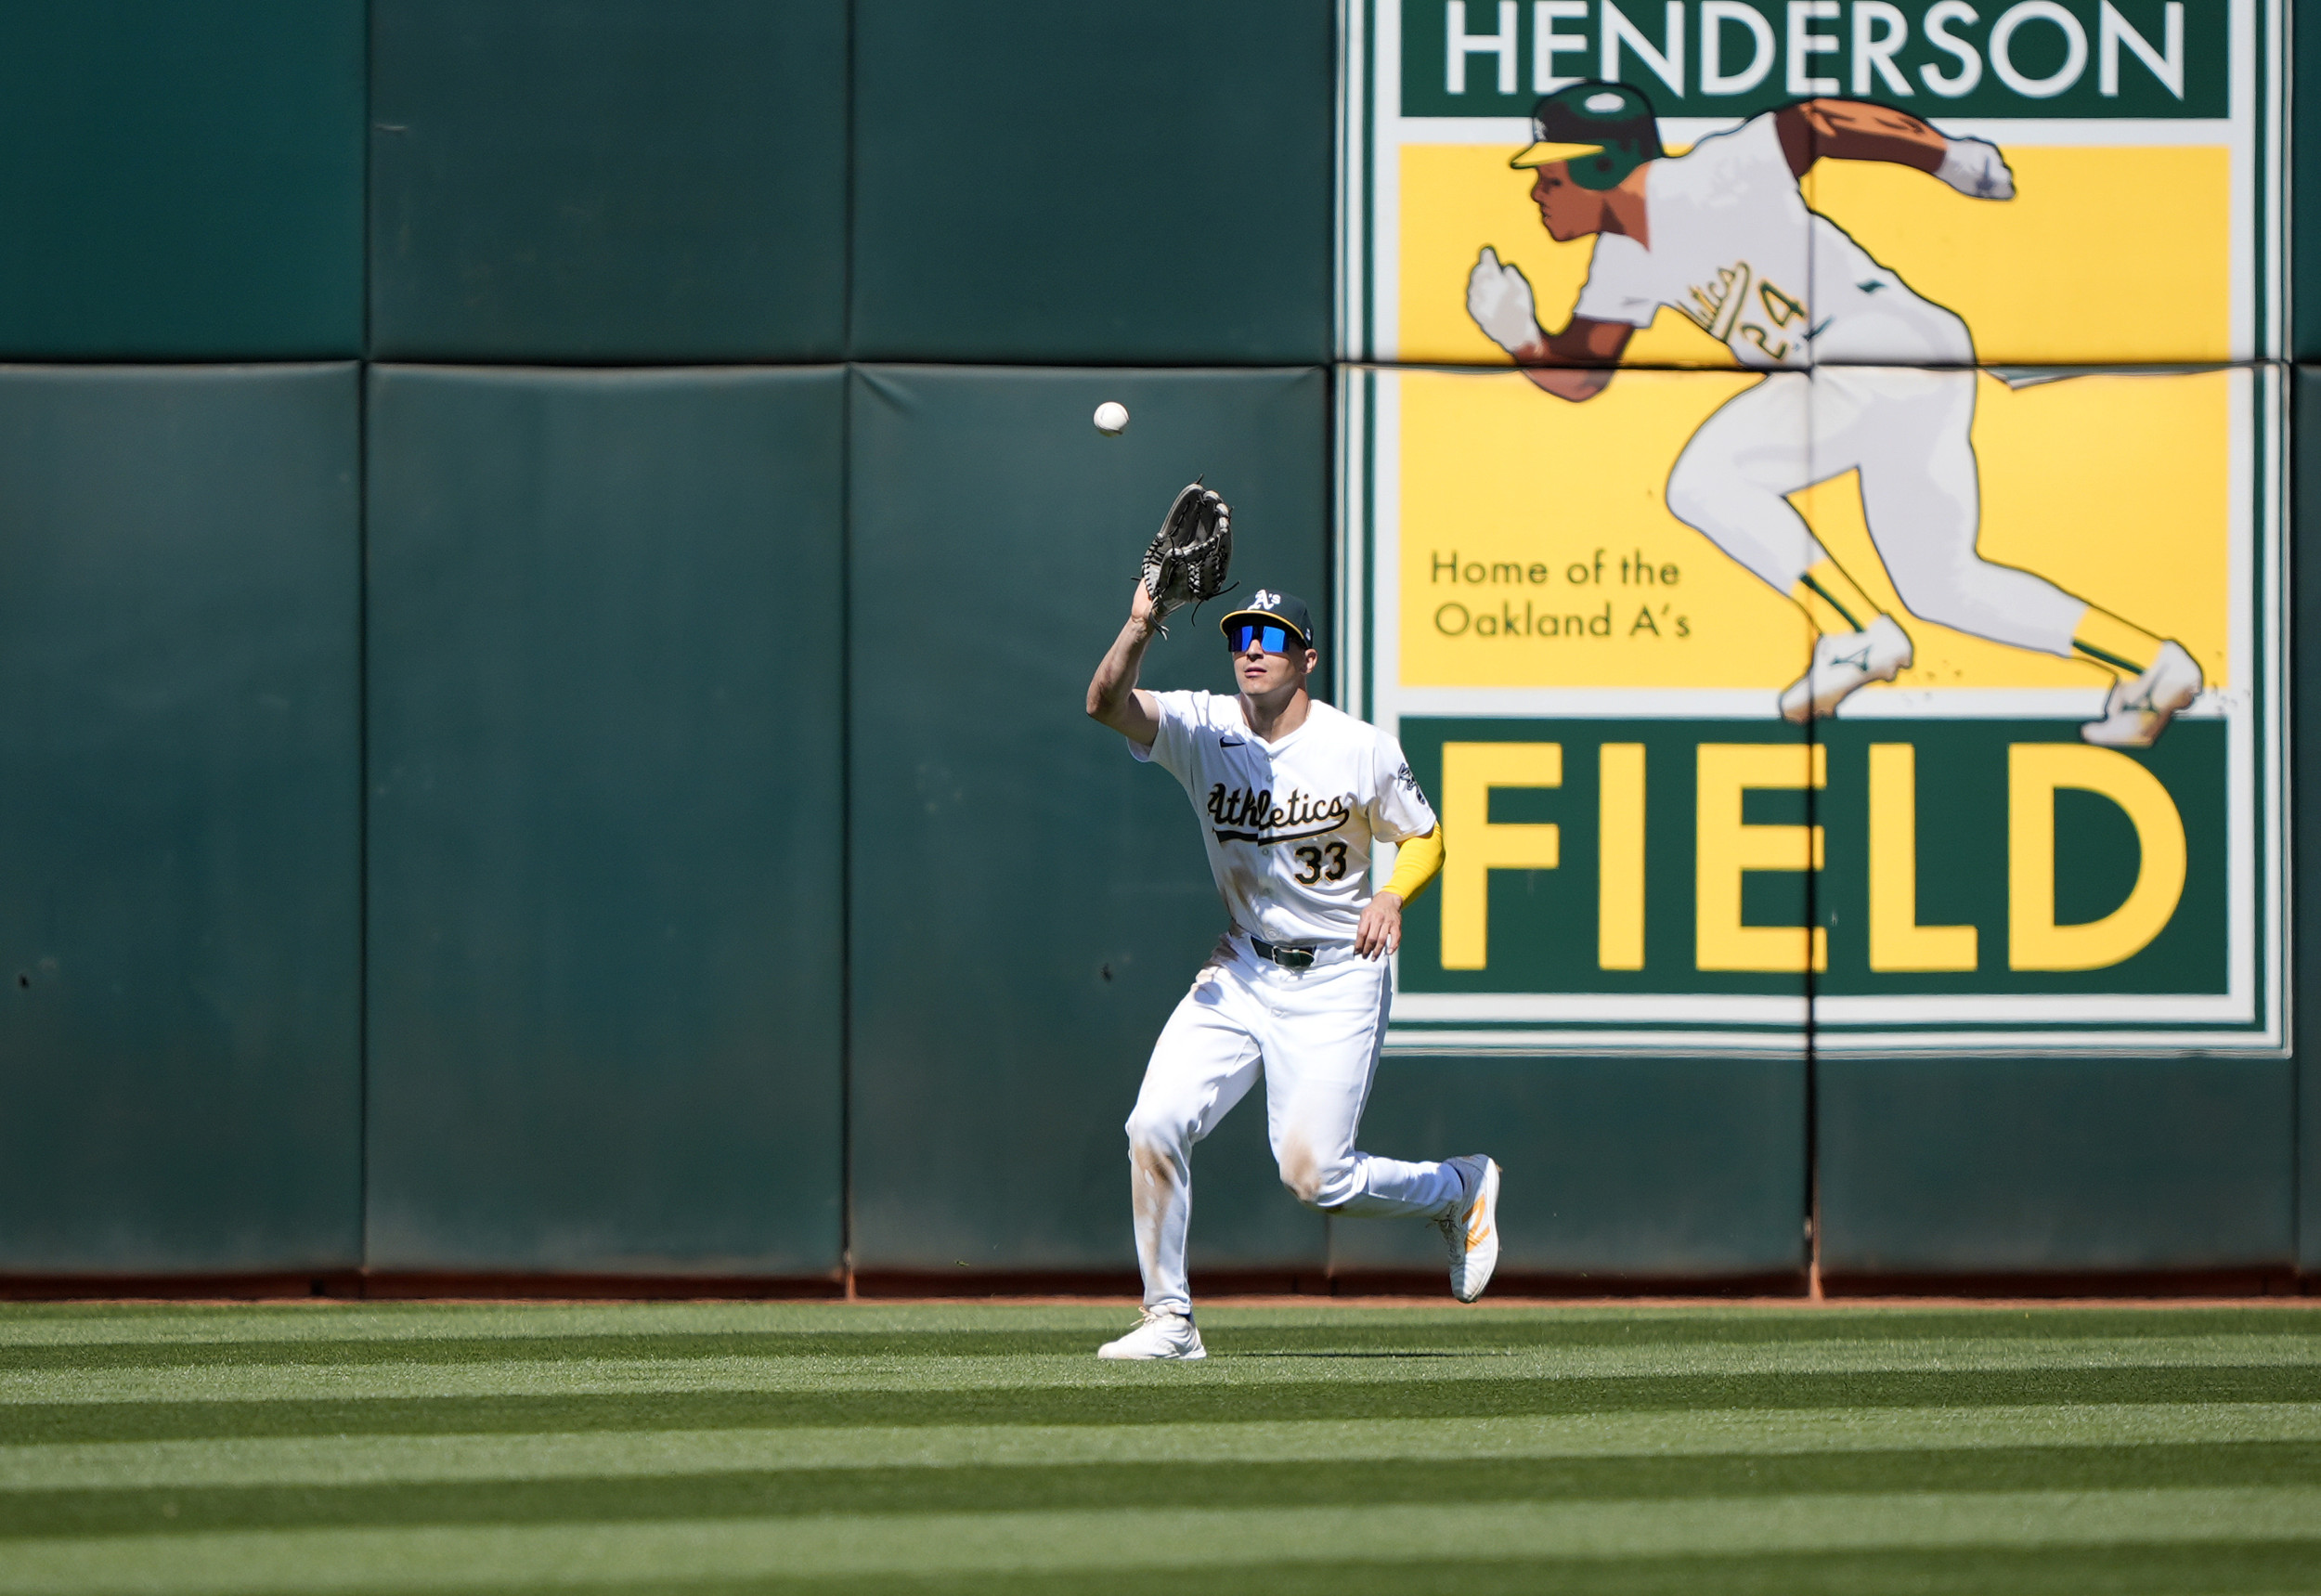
(1862, 375)
(1293, 797)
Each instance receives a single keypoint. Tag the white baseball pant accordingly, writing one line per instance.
(1907, 431)
(1315, 1033)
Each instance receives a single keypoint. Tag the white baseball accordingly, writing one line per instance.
(1111, 419)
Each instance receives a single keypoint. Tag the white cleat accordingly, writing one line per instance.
(2138, 712)
(1843, 661)
(1169, 1336)
(1471, 1230)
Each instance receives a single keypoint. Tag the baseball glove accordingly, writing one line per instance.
(1187, 559)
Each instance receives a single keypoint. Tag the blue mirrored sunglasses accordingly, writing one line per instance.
(1272, 639)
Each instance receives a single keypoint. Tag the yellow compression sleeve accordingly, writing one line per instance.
(1417, 862)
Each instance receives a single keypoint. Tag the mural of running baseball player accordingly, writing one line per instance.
(1862, 375)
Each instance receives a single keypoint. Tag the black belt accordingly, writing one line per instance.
(1288, 958)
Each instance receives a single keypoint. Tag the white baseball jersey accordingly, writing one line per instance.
(1732, 245)
(1288, 825)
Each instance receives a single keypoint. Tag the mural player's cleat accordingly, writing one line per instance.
(1843, 661)
(1471, 1227)
(2138, 712)
(1169, 1337)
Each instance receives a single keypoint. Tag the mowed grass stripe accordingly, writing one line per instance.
(1243, 1367)
(2239, 1568)
(1103, 1540)
(397, 1459)
(451, 1336)
(1104, 1485)
(1148, 1396)
(872, 1328)
(22, 1368)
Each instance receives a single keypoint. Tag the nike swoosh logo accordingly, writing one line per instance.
(1228, 742)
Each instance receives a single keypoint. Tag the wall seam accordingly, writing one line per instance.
(2299, 728)
(1813, 820)
(845, 697)
(2286, 344)
(1340, 687)
(362, 692)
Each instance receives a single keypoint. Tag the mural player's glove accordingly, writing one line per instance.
(1499, 297)
(1975, 169)
(1188, 557)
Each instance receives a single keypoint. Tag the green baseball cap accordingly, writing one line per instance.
(1603, 130)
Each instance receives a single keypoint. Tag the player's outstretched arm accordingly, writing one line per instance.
(1855, 130)
(1579, 362)
(1113, 696)
(1575, 364)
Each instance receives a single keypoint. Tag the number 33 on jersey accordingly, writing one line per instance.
(1290, 826)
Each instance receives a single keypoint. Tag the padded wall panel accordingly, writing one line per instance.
(1147, 181)
(181, 181)
(1681, 1167)
(604, 888)
(1983, 1166)
(179, 897)
(608, 179)
(1029, 902)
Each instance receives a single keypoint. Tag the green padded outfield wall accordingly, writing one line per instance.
(604, 889)
(181, 181)
(1049, 180)
(1935, 1166)
(1029, 901)
(608, 180)
(180, 896)
(1617, 1169)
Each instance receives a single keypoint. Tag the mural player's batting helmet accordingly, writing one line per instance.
(1603, 131)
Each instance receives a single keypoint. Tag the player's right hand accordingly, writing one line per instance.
(1380, 931)
(1499, 297)
(1975, 169)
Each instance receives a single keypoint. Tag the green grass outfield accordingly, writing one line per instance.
(1332, 1449)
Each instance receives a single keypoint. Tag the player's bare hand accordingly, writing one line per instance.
(1381, 930)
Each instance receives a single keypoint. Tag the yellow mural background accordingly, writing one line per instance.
(2116, 488)
(2105, 256)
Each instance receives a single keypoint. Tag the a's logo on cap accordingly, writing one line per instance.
(1607, 101)
(1264, 600)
